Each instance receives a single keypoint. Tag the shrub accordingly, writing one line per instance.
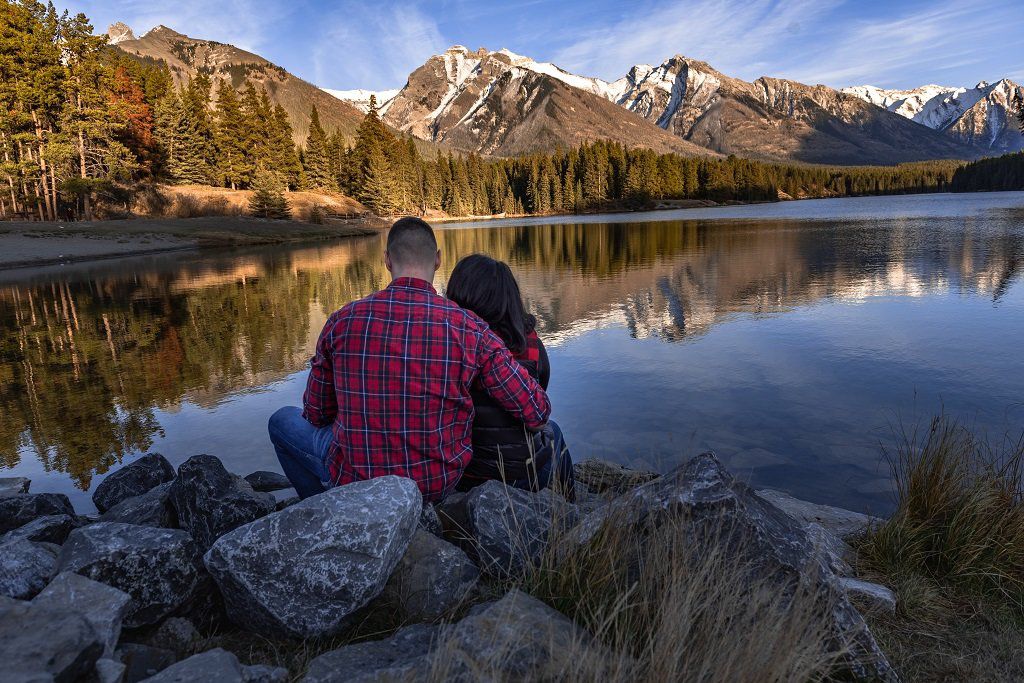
(268, 200)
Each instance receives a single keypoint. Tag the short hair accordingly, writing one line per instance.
(411, 242)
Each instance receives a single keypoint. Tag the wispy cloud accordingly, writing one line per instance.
(374, 46)
(736, 36)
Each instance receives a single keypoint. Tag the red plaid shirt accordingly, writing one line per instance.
(393, 372)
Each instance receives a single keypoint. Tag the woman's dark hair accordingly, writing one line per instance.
(488, 288)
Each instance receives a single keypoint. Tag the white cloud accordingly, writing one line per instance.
(736, 36)
(374, 46)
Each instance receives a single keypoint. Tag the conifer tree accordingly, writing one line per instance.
(232, 139)
(193, 159)
(268, 200)
(316, 158)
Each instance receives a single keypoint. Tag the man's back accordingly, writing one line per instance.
(393, 373)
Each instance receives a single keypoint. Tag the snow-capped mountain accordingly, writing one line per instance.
(503, 103)
(984, 115)
(118, 32)
(360, 99)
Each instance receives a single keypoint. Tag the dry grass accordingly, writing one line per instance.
(194, 201)
(954, 553)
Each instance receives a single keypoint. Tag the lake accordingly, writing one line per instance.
(792, 339)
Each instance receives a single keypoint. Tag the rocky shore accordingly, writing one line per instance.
(179, 560)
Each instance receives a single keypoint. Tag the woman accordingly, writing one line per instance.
(503, 448)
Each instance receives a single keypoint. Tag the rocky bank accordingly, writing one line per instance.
(176, 555)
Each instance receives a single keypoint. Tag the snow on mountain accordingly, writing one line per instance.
(360, 98)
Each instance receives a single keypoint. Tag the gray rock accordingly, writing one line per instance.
(46, 529)
(213, 666)
(503, 529)
(159, 568)
(286, 502)
(515, 638)
(152, 508)
(110, 671)
(263, 673)
(767, 542)
(393, 658)
(264, 481)
(429, 521)
(143, 661)
(177, 635)
(835, 551)
(25, 568)
(430, 580)
(132, 480)
(210, 501)
(43, 644)
(303, 570)
(600, 476)
(874, 596)
(102, 606)
(843, 523)
(19, 510)
(13, 486)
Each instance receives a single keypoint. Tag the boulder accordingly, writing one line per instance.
(159, 568)
(873, 596)
(177, 635)
(110, 671)
(152, 508)
(430, 580)
(46, 529)
(393, 658)
(264, 673)
(429, 521)
(143, 661)
(503, 529)
(302, 571)
(210, 501)
(218, 666)
(43, 644)
(12, 486)
(102, 606)
(767, 542)
(843, 523)
(601, 476)
(25, 568)
(132, 480)
(19, 510)
(266, 482)
(515, 638)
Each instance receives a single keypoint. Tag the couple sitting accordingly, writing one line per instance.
(449, 392)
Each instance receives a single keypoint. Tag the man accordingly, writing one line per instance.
(389, 385)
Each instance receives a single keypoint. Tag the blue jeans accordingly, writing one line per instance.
(301, 449)
(556, 472)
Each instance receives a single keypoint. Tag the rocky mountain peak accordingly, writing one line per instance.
(118, 32)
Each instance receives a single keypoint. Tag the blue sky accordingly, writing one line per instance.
(890, 43)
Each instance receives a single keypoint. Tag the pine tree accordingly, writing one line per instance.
(268, 200)
(316, 159)
(193, 159)
(234, 164)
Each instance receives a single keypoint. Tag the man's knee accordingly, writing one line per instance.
(278, 423)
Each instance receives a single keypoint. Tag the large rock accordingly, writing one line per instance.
(874, 596)
(46, 529)
(13, 486)
(218, 666)
(152, 508)
(132, 480)
(25, 568)
(503, 529)
(143, 661)
(515, 638)
(210, 501)
(845, 524)
(601, 476)
(264, 481)
(159, 568)
(303, 570)
(102, 606)
(19, 510)
(177, 635)
(768, 543)
(431, 579)
(44, 644)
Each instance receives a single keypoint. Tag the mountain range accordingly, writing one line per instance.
(500, 103)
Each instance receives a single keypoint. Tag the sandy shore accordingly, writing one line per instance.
(31, 244)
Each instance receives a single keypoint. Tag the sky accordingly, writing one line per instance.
(345, 44)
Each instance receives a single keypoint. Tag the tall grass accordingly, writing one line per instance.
(960, 514)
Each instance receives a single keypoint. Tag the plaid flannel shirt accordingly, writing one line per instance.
(392, 373)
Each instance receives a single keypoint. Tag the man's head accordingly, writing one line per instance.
(412, 249)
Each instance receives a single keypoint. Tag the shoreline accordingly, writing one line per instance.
(34, 244)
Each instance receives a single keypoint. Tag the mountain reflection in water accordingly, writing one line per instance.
(789, 346)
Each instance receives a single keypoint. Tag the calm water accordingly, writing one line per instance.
(789, 338)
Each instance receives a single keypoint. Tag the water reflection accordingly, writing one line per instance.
(91, 358)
